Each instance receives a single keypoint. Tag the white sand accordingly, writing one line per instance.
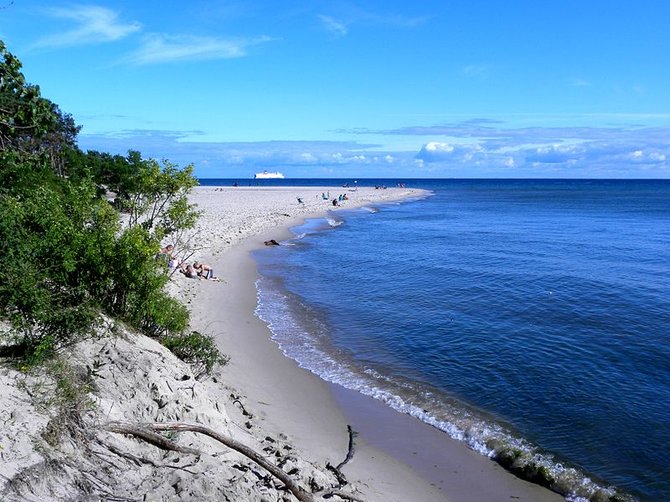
(294, 402)
(232, 214)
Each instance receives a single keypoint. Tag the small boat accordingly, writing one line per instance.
(267, 175)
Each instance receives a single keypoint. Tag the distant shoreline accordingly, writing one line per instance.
(392, 182)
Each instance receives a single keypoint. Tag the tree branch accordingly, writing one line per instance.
(342, 495)
(350, 450)
(144, 431)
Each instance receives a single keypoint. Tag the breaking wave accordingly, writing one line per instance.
(301, 333)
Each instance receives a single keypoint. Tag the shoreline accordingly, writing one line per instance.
(397, 457)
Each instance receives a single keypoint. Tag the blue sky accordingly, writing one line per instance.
(435, 88)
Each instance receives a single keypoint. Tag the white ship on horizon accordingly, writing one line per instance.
(268, 175)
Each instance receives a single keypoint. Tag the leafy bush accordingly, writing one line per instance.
(42, 293)
(198, 350)
(66, 257)
(163, 315)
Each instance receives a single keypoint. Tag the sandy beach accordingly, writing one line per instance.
(396, 456)
(292, 420)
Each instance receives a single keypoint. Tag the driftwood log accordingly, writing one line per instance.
(147, 432)
(350, 448)
(336, 470)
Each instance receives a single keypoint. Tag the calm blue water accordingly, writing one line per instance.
(530, 316)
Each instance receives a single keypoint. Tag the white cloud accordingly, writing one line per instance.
(302, 157)
(434, 151)
(613, 153)
(434, 146)
(580, 82)
(642, 157)
(307, 157)
(481, 71)
(165, 48)
(335, 27)
(462, 154)
(95, 25)
(557, 154)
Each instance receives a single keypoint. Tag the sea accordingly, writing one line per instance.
(529, 319)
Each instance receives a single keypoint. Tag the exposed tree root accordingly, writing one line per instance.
(146, 432)
(350, 449)
(143, 431)
(342, 495)
(141, 460)
(341, 479)
(237, 400)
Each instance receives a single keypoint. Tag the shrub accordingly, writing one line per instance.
(66, 258)
(198, 350)
(164, 315)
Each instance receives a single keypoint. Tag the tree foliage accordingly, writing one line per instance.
(29, 123)
(49, 239)
(197, 349)
(67, 255)
(155, 195)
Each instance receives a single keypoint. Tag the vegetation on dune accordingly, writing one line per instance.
(197, 349)
(67, 256)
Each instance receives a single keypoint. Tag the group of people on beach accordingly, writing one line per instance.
(196, 270)
(335, 202)
(326, 196)
(340, 198)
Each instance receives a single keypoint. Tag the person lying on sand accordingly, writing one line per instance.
(189, 271)
(271, 242)
(204, 271)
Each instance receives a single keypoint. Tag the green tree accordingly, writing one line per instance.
(66, 255)
(29, 123)
(155, 195)
(50, 240)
